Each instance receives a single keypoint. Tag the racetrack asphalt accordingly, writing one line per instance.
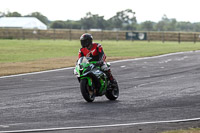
(153, 92)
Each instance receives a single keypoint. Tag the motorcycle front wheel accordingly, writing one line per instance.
(87, 91)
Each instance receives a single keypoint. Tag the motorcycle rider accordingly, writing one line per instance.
(95, 50)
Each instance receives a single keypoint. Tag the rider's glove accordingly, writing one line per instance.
(100, 63)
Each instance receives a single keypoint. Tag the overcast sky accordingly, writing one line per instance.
(153, 10)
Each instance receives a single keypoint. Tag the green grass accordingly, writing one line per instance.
(141, 49)
(30, 50)
(192, 130)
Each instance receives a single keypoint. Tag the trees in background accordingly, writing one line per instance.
(122, 20)
(126, 20)
(39, 16)
(166, 24)
(69, 24)
(146, 26)
(13, 14)
(93, 21)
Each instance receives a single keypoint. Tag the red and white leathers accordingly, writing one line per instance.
(97, 54)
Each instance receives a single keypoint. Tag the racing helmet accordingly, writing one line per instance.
(86, 40)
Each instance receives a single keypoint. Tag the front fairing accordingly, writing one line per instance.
(91, 71)
(83, 66)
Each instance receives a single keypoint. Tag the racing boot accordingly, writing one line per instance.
(113, 82)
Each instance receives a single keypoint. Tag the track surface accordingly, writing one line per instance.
(153, 89)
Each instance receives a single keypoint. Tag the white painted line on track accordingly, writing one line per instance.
(152, 57)
(100, 126)
(143, 58)
(24, 74)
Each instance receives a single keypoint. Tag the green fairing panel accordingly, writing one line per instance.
(89, 80)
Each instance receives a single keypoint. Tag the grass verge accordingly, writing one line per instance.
(22, 56)
(192, 130)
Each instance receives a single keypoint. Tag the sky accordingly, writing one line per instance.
(145, 10)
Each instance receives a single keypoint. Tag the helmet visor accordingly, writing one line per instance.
(85, 43)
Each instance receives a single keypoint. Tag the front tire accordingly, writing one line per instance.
(87, 91)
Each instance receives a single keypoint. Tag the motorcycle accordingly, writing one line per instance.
(93, 81)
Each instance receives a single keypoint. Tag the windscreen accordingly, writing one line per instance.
(82, 60)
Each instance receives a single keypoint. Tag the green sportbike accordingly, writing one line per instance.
(93, 81)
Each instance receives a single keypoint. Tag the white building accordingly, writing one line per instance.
(22, 22)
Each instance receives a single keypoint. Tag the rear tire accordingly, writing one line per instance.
(87, 91)
(113, 94)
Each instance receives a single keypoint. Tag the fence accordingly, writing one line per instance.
(67, 34)
(174, 36)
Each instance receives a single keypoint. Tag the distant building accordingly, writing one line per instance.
(22, 22)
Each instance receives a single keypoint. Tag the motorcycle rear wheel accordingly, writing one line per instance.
(86, 91)
(113, 94)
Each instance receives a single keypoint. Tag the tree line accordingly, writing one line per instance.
(122, 20)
